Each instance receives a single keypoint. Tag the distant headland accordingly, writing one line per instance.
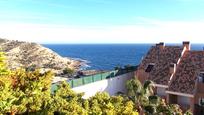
(33, 55)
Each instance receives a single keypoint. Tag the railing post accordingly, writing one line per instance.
(92, 78)
(83, 81)
(101, 76)
(72, 84)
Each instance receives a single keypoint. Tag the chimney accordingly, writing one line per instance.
(187, 45)
(161, 45)
(172, 68)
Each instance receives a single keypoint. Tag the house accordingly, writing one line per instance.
(159, 66)
(178, 74)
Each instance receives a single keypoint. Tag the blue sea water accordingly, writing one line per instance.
(106, 56)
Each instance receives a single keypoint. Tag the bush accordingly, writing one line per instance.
(29, 92)
(68, 71)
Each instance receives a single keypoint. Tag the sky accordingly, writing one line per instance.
(102, 21)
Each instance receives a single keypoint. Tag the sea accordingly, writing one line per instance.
(106, 56)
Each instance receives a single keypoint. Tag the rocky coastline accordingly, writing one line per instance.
(32, 55)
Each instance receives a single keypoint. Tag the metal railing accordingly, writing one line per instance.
(97, 77)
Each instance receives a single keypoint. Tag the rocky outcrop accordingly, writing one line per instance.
(33, 55)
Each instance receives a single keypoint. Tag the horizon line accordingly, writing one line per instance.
(110, 43)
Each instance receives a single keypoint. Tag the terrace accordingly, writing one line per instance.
(83, 80)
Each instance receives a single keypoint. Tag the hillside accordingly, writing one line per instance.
(33, 55)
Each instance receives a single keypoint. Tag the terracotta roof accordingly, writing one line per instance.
(191, 64)
(161, 58)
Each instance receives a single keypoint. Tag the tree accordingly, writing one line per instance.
(68, 71)
(6, 97)
(22, 91)
(3, 68)
(145, 101)
(139, 93)
(102, 103)
(31, 90)
(154, 102)
(188, 112)
(66, 101)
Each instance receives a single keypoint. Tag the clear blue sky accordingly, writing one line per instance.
(100, 17)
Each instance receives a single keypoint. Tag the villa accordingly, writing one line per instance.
(178, 75)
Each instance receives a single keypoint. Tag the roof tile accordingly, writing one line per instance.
(162, 58)
(191, 64)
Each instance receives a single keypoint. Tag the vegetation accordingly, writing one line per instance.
(148, 103)
(139, 94)
(68, 71)
(3, 69)
(33, 67)
(26, 92)
(29, 92)
(66, 101)
(118, 67)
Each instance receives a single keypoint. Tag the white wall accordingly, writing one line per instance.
(112, 85)
(161, 91)
(183, 100)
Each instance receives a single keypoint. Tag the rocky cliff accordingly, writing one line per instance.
(33, 55)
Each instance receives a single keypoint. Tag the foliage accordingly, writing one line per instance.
(22, 91)
(66, 101)
(139, 93)
(68, 71)
(118, 67)
(188, 112)
(33, 90)
(3, 67)
(102, 103)
(31, 67)
(29, 92)
(128, 67)
(6, 97)
(145, 101)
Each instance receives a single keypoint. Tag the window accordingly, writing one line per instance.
(150, 67)
(201, 77)
(201, 101)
